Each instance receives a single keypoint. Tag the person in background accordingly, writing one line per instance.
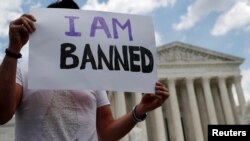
(60, 115)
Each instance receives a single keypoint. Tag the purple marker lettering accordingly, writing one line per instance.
(72, 31)
(115, 22)
(102, 26)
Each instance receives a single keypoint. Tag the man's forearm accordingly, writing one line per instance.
(7, 88)
(119, 128)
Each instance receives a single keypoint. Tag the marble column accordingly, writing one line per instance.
(120, 109)
(235, 110)
(209, 100)
(174, 105)
(194, 110)
(226, 101)
(141, 125)
(239, 91)
(217, 102)
(159, 124)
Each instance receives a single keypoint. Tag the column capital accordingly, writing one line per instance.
(189, 78)
(171, 79)
(206, 78)
(222, 78)
(237, 78)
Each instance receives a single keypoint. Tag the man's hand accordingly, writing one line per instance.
(150, 102)
(119, 127)
(19, 31)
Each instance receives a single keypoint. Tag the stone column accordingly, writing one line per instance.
(217, 102)
(235, 110)
(174, 105)
(242, 102)
(141, 125)
(160, 125)
(194, 110)
(209, 100)
(120, 109)
(226, 101)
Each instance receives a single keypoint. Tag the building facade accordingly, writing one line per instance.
(205, 88)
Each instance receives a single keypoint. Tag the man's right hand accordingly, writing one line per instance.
(19, 31)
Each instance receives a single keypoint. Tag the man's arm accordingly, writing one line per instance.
(110, 129)
(10, 92)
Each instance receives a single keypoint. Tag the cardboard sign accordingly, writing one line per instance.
(76, 49)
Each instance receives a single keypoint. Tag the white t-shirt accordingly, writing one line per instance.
(57, 115)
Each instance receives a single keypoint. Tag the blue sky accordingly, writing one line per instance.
(219, 25)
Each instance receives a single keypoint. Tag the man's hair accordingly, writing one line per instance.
(64, 4)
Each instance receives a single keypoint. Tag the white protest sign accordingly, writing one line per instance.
(76, 49)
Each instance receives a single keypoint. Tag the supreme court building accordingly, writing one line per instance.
(205, 88)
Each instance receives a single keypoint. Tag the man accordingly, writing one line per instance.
(44, 115)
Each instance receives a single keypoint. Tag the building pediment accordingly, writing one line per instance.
(178, 52)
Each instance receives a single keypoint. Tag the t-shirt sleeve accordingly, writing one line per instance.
(102, 98)
(19, 79)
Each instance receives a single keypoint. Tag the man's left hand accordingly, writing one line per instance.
(150, 101)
